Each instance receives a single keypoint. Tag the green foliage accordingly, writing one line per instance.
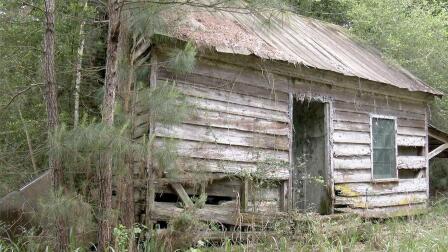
(334, 11)
(166, 104)
(184, 231)
(412, 33)
(21, 36)
(122, 236)
(165, 156)
(80, 148)
(183, 60)
(69, 210)
(438, 175)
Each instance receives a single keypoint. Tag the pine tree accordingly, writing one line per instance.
(108, 110)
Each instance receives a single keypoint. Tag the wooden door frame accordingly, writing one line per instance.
(329, 166)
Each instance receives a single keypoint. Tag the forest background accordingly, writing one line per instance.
(412, 33)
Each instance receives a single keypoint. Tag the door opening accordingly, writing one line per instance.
(310, 156)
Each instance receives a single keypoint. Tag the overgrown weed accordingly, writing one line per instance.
(297, 232)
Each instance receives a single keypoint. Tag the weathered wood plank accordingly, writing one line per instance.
(244, 194)
(224, 152)
(225, 84)
(350, 108)
(411, 131)
(411, 123)
(263, 207)
(351, 137)
(362, 189)
(410, 140)
(387, 212)
(365, 127)
(244, 123)
(283, 194)
(357, 117)
(437, 150)
(303, 74)
(228, 187)
(219, 213)
(233, 168)
(182, 195)
(223, 136)
(352, 163)
(350, 176)
(411, 162)
(383, 108)
(361, 117)
(236, 109)
(342, 150)
(226, 121)
(225, 213)
(231, 97)
(351, 126)
(242, 75)
(382, 200)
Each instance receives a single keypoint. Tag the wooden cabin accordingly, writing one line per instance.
(291, 114)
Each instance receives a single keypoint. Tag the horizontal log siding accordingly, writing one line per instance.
(242, 100)
(351, 130)
(235, 125)
(385, 212)
(352, 157)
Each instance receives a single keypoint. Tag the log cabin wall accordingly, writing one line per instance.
(236, 130)
(242, 119)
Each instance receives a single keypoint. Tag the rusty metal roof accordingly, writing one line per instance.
(294, 39)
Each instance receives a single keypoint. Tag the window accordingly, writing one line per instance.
(383, 148)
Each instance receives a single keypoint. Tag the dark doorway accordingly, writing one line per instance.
(310, 152)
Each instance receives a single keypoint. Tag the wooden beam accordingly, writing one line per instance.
(283, 200)
(244, 194)
(437, 134)
(182, 194)
(225, 213)
(438, 150)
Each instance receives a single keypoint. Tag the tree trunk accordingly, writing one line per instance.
(78, 70)
(126, 82)
(51, 89)
(108, 108)
(52, 113)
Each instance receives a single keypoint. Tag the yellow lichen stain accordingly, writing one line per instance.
(407, 201)
(345, 190)
(360, 205)
(407, 212)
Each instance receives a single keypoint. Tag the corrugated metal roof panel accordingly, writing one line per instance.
(294, 39)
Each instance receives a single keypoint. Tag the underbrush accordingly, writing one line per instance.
(300, 232)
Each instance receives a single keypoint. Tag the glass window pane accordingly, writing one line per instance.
(384, 163)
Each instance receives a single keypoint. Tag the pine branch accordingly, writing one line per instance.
(20, 93)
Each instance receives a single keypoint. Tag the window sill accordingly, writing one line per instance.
(391, 180)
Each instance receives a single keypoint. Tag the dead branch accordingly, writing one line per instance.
(19, 93)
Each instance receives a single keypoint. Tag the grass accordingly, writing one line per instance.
(428, 232)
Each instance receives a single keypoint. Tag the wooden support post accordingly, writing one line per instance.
(438, 150)
(150, 171)
(203, 189)
(421, 173)
(283, 201)
(182, 194)
(244, 194)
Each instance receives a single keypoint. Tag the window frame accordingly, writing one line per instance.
(394, 118)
